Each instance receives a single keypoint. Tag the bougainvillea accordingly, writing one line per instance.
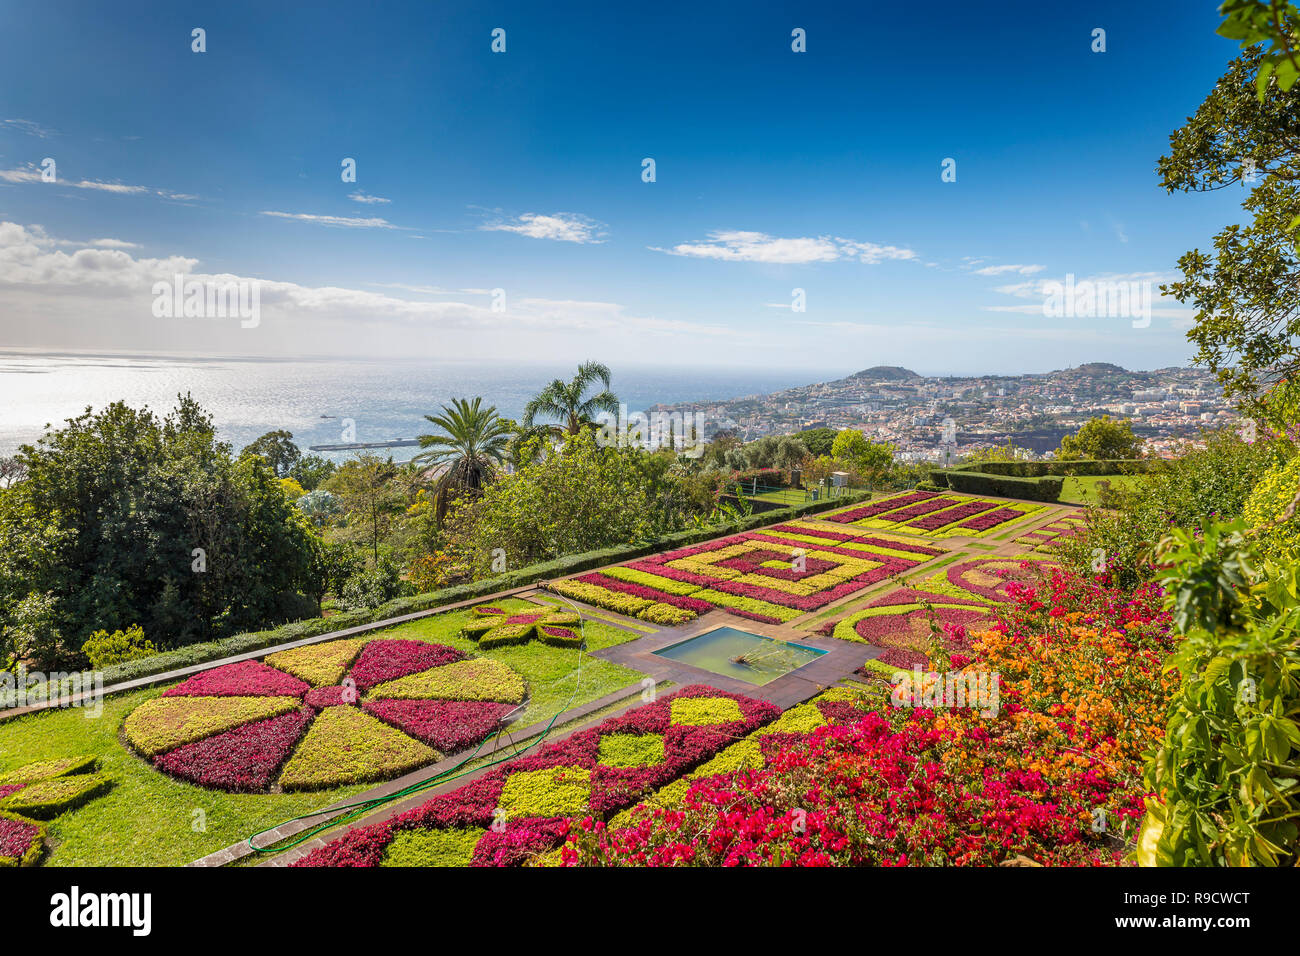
(1054, 776)
(521, 808)
(773, 575)
(351, 711)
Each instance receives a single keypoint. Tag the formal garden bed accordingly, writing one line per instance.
(772, 576)
(1054, 532)
(1052, 775)
(935, 514)
(512, 813)
(38, 792)
(152, 817)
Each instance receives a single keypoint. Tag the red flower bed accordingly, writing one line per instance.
(878, 507)
(917, 510)
(445, 725)
(474, 804)
(336, 696)
(243, 759)
(387, 660)
(959, 513)
(17, 839)
(8, 788)
(992, 519)
(640, 590)
(242, 679)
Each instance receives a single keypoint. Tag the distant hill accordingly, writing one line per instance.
(1098, 368)
(885, 373)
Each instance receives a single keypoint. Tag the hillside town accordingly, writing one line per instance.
(943, 418)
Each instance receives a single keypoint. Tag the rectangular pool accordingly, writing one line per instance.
(731, 652)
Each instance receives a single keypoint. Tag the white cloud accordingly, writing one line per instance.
(362, 196)
(349, 222)
(114, 244)
(1140, 285)
(1024, 270)
(31, 174)
(87, 280)
(28, 127)
(744, 246)
(562, 227)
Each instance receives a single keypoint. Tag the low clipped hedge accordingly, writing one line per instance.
(195, 654)
(1085, 467)
(1046, 488)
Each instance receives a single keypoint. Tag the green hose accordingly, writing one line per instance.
(365, 806)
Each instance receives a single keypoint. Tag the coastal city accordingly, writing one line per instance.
(932, 419)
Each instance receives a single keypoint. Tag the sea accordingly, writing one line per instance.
(382, 399)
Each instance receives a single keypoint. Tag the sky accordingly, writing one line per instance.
(799, 214)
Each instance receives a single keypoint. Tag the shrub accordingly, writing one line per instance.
(372, 588)
(103, 648)
(1267, 507)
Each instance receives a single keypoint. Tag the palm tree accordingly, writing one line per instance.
(473, 444)
(563, 400)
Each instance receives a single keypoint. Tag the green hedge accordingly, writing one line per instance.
(195, 654)
(1002, 486)
(1085, 467)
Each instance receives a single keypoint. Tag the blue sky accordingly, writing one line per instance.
(521, 171)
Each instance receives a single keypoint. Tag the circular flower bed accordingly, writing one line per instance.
(346, 711)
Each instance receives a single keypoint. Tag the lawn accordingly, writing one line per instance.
(150, 819)
(1084, 491)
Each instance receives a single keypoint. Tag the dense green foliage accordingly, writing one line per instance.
(1204, 485)
(127, 519)
(1103, 438)
(1227, 774)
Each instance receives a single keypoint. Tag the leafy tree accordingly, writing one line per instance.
(373, 494)
(278, 450)
(1275, 22)
(869, 459)
(775, 451)
(311, 471)
(319, 506)
(1103, 438)
(584, 499)
(12, 470)
(103, 649)
(1244, 290)
(565, 401)
(126, 519)
(818, 441)
(471, 447)
(1008, 452)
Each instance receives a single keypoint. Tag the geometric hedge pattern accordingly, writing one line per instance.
(934, 514)
(773, 575)
(324, 715)
(1054, 532)
(519, 810)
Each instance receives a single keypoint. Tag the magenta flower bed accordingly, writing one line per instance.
(387, 660)
(878, 507)
(336, 696)
(883, 629)
(445, 725)
(1025, 572)
(992, 519)
(901, 657)
(611, 788)
(959, 513)
(239, 760)
(242, 679)
(918, 510)
(8, 788)
(17, 837)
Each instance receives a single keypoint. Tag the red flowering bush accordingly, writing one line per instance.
(1054, 777)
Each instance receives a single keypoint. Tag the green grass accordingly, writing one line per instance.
(1083, 490)
(149, 819)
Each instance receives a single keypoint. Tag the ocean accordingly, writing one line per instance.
(385, 399)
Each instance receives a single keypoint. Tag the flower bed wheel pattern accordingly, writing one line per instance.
(324, 715)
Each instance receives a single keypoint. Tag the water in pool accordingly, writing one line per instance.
(734, 653)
